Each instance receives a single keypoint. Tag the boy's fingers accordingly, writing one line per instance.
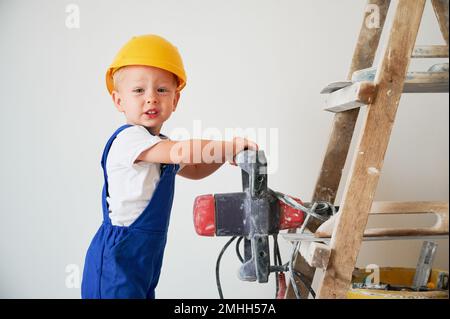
(253, 146)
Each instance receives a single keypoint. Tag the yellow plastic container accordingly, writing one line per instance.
(397, 277)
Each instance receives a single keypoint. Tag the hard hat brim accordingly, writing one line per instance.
(158, 64)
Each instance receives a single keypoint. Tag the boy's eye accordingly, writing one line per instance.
(163, 90)
(138, 90)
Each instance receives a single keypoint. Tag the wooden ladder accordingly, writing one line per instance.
(380, 89)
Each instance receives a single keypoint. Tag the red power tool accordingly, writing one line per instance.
(205, 215)
(253, 214)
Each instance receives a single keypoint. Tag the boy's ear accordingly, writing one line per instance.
(117, 100)
(175, 100)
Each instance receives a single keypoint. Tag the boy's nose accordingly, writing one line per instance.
(151, 100)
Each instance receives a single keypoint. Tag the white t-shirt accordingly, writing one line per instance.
(130, 185)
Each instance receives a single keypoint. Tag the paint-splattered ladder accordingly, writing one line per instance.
(379, 88)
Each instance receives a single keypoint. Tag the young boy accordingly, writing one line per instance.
(139, 164)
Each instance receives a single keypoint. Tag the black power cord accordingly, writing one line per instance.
(238, 253)
(277, 262)
(219, 287)
(302, 279)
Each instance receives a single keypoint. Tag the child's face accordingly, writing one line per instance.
(146, 95)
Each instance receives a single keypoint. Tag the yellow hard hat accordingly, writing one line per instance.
(150, 50)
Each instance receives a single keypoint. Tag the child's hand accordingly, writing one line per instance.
(240, 144)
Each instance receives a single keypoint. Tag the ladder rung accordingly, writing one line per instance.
(439, 209)
(361, 90)
(315, 254)
(350, 97)
(435, 80)
(430, 51)
(334, 86)
(311, 238)
(437, 231)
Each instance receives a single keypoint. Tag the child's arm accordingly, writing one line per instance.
(199, 171)
(202, 157)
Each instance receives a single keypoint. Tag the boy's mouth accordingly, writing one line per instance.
(152, 113)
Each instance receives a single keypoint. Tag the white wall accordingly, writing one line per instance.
(250, 64)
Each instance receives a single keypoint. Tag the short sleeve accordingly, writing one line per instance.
(129, 144)
(182, 165)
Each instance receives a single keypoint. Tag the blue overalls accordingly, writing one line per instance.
(125, 262)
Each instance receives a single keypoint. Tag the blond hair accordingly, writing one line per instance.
(118, 75)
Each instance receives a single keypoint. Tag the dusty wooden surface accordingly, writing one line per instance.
(430, 51)
(440, 227)
(369, 156)
(344, 123)
(435, 80)
(342, 129)
(346, 95)
(356, 95)
(315, 254)
(427, 82)
(441, 10)
(308, 272)
(386, 294)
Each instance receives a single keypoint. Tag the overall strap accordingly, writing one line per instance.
(105, 193)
